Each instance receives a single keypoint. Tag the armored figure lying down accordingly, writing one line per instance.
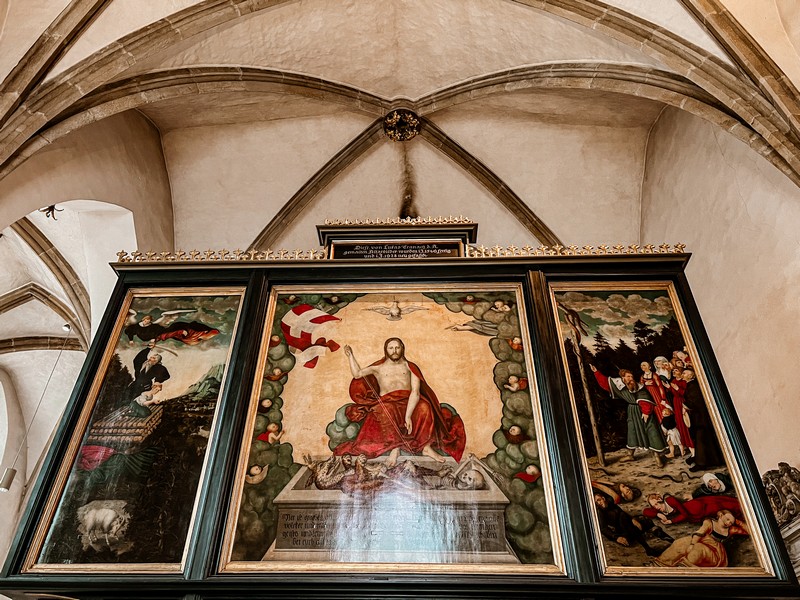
(354, 475)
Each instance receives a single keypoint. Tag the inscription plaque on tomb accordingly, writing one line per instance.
(427, 525)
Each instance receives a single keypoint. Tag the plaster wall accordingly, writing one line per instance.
(672, 16)
(395, 47)
(444, 188)
(34, 268)
(738, 215)
(89, 234)
(112, 231)
(768, 21)
(25, 20)
(228, 181)
(65, 233)
(30, 320)
(582, 181)
(119, 18)
(29, 373)
(12, 430)
(116, 160)
(368, 188)
(13, 274)
(373, 188)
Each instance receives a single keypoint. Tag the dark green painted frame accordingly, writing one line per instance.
(583, 578)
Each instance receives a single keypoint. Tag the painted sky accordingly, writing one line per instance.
(614, 313)
(186, 364)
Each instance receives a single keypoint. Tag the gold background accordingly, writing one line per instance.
(458, 365)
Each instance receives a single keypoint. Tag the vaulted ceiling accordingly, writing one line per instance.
(243, 123)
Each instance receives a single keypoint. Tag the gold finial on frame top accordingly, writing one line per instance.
(472, 252)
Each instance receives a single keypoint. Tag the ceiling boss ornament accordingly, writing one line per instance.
(401, 125)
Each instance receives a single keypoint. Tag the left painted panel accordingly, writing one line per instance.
(126, 493)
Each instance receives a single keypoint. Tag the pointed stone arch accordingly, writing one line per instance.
(33, 291)
(63, 272)
(708, 72)
(439, 140)
(46, 51)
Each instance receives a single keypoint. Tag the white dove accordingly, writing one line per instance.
(394, 312)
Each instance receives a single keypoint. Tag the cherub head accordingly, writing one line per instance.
(266, 403)
(533, 470)
(273, 427)
(515, 429)
(512, 379)
(255, 470)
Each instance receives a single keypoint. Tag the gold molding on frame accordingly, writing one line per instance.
(558, 250)
(480, 252)
(449, 220)
(210, 256)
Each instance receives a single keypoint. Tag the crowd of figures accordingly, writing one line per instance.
(666, 410)
(667, 418)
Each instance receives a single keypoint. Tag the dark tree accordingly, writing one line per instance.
(668, 339)
(600, 343)
(114, 392)
(643, 337)
(625, 357)
(610, 416)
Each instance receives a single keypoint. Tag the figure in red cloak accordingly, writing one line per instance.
(167, 328)
(671, 510)
(398, 410)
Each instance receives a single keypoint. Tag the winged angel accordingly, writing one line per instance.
(167, 327)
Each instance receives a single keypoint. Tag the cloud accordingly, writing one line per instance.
(619, 309)
(614, 333)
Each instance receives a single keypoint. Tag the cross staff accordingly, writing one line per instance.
(380, 402)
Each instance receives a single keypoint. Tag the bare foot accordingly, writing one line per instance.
(626, 458)
(430, 452)
(670, 455)
(393, 456)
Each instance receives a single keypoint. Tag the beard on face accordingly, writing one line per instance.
(394, 355)
(631, 385)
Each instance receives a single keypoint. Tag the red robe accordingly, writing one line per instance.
(697, 509)
(383, 422)
(677, 403)
(655, 388)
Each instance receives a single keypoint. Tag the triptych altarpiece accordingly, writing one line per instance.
(532, 421)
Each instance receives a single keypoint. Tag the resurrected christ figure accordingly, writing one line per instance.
(398, 411)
